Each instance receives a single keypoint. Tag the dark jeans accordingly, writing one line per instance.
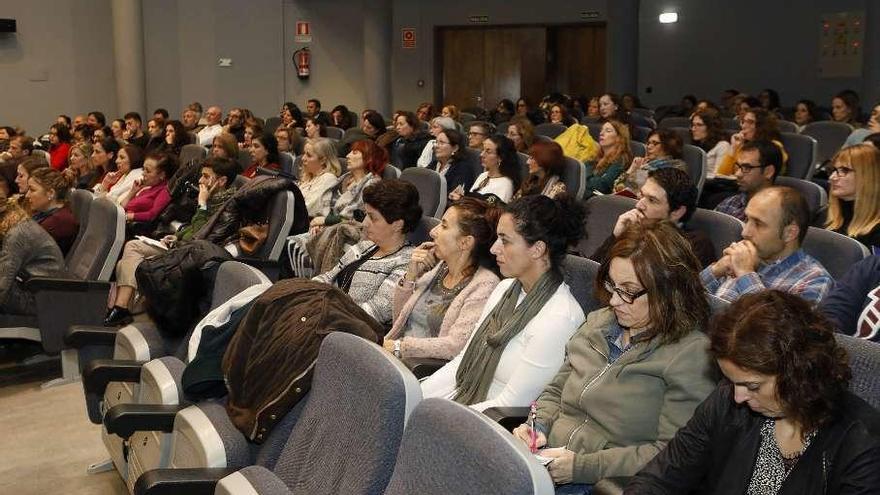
(574, 489)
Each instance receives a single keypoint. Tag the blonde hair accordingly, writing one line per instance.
(621, 151)
(864, 159)
(326, 152)
(11, 214)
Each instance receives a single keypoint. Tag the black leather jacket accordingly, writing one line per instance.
(717, 449)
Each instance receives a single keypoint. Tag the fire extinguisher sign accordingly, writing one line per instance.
(408, 37)
(303, 32)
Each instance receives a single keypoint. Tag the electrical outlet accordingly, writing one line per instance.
(224, 62)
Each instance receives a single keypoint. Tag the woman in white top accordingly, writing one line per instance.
(320, 171)
(519, 341)
(707, 133)
(438, 124)
(501, 162)
(129, 168)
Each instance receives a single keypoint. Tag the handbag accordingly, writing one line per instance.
(252, 237)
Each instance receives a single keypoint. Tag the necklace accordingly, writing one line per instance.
(378, 254)
(441, 275)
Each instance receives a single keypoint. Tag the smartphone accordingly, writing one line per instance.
(543, 460)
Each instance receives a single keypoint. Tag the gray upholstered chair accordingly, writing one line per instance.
(345, 439)
(431, 187)
(422, 232)
(272, 123)
(802, 151)
(602, 213)
(193, 153)
(696, 164)
(836, 252)
(722, 229)
(574, 178)
(864, 361)
(669, 122)
(80, 205)
(335, 132)
(549, 129)
(580, 274)
(637, 148)
(817, 198)
(829, 136)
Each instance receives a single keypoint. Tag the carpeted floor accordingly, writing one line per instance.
(46, 439)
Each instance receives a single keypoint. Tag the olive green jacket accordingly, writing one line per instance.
(617, 417)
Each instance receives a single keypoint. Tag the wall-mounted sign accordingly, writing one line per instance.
(590, 14)
(408, 37)
(478, 19)
(303, 32)
(841, 44)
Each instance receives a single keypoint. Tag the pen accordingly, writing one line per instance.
(533, 436)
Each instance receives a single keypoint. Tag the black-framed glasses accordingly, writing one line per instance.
(840, 171)
(625, 296)
(746, 167)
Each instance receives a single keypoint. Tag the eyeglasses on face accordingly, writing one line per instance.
(471, 134)
(746, 167)
(653, 142)
(625, 296)
(840, 171)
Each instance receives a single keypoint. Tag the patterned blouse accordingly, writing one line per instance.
(771, 467)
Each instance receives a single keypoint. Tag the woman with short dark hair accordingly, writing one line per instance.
(783, 421)
(663, 149)
(59, 146)
(411, 140)
(448, 161)
(501, 165)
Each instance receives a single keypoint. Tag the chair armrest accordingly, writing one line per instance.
(98, 373)
(423, 367)
(191, 481)
(610, 486)
(125, 419)
(78, 336)
(508, 417)
(66, 284)
(270, 269)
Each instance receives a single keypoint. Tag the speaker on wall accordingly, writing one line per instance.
(7, 25)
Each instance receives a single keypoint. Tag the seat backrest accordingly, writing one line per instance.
(431, 187)
(829, 136)
(239, 181)
(721, 228)
(343, 165)
(786, 126)
(272, 123)
(422, 231)
(684, 133)
(335, 132)
(95, 256)
(195, 153)
(549, 129)
(695, 158)
(465, 117)
(801, 151)
(817, 198)
(523, 166)
(244, 159)
(731, 124)
(80, 205)
(450, 448)
(580, 274)
(390, 172)
(347, 437)
(286, 162)
(574, 178)
(640, 133)
(232, 278)
(836, 252)
(639, 120)
(602, 213)
(471, 158)
(501, 128)
(595, 128)
(864, 361)
(669, 122)
(637, 148)
(281, 216)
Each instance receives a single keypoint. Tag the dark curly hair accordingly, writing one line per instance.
(780, 334)
(669, 270)
(395, 200)
(557, 222)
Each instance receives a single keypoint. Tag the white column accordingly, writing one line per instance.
(128, 55)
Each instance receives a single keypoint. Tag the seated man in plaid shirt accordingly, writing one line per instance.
(770, 255)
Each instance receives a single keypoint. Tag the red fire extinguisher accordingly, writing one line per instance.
(301, 59)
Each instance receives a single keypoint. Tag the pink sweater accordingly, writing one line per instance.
(149, 202)
(458, 323)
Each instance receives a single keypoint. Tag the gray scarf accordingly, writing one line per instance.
(505, 322)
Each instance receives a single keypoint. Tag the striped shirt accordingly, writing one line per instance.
(799, 274)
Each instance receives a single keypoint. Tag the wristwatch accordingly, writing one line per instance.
(396, 350)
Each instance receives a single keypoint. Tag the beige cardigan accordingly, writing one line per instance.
(458, 323)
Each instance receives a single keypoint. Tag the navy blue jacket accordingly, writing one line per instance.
(850, 296)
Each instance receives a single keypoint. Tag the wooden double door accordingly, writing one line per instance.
(481, 66)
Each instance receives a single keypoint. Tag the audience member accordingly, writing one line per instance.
(117, 127)
(707, 133)
(546, 164)
(756, 167)
(854, 203)
(340, 117)
(644, 359)
(504, 111)
(103, 160)
(845, 108)
(757, 125)
(96, 120)
(783, 421)
(447, 283)
(235, 124)
(291, 115)
(313, 110)
(853, 304)
(663, 149)
(79, 164)
(190, 119)
(449, 162)
(805, 112)
(372, 127)
(264, 153)
(59, 146)
(176, 137)
(411, 140)
(559, 115)
(667, 194)
(437, 125)
(522, 133)
(289, 141)
(319, 175)
(134, 134)
(858, 135)
(156, 135)
(48, 196)
(314, 128)
(224, 145)
(215, 189)
(518, 343)
(614, 152)
(23, 175)
(593, 108)
(370, 270)
(769, 99)
(129, 169)
(149, 195)
(450, 111)
(770, 254)
(611, 108)
(161, 114)
(212, 127)
(425, 112)
(502, 169)
(84, 133)
(26, 251)
(477, 134)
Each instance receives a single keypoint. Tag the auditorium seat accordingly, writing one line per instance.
(431, 187)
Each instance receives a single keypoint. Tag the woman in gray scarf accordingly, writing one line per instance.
(519, 341)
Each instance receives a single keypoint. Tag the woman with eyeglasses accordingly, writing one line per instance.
(854, 205)
(635, 371)
(707, 133)
(662, 150)
(757, 125)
